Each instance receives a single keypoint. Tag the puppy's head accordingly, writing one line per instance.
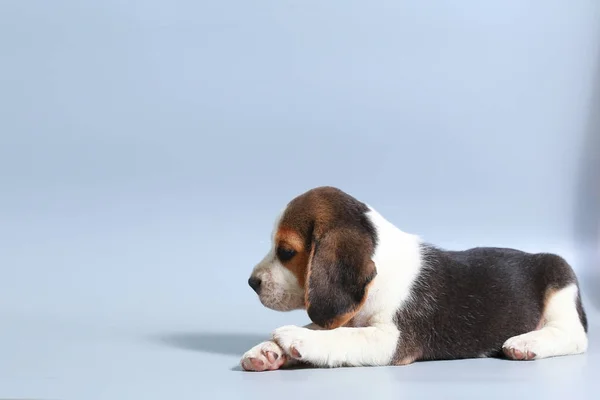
(320, 258)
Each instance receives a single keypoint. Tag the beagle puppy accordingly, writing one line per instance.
(379, 296)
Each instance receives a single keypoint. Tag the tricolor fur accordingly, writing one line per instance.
(379, 296)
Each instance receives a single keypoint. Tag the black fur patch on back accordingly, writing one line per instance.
(466, 304)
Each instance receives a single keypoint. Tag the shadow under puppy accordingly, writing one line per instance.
(379, 296)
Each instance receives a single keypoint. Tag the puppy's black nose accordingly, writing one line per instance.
(255, 284)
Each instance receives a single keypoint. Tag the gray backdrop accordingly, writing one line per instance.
(146, 146)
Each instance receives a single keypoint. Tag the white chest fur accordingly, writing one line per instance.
(398, 260)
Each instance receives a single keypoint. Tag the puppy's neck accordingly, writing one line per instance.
(398, 261)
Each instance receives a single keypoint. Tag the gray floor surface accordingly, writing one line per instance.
(131, 357)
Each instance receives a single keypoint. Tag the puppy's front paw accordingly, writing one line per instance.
(295, 341)
(266, 356)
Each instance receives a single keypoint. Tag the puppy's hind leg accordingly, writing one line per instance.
(563, 331)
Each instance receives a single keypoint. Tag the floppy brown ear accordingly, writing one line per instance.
(339, 272)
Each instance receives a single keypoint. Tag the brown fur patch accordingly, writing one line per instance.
(409, 359)
(310, 258)
(290, 239)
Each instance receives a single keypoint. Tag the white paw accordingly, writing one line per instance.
(295, 341)
(525, 347)
(266, 356)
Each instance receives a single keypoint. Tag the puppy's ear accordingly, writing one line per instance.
(338, 275)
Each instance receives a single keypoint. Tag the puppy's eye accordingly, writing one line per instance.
(285, 254)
